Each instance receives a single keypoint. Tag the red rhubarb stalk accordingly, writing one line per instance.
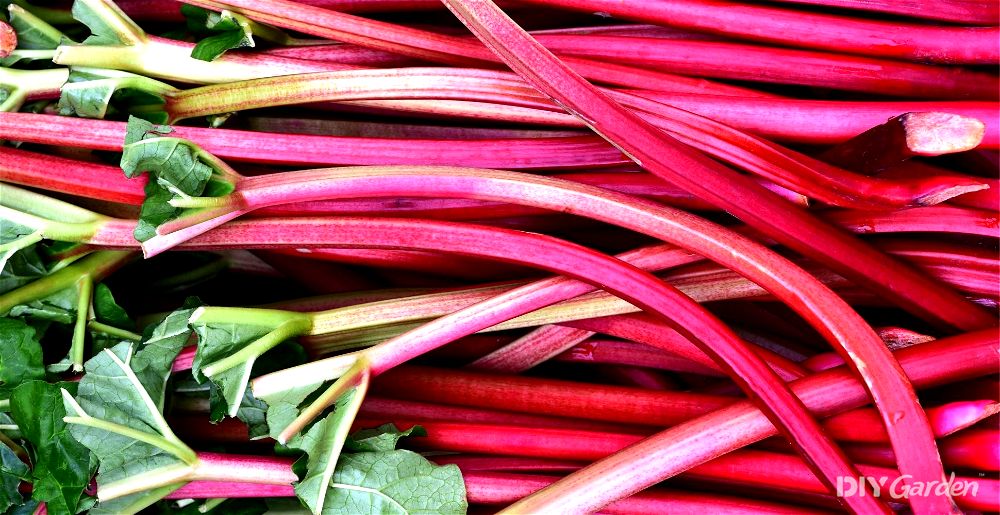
(911, 41)
(906, 422)
(502, 488)
(748, 62)
(697, 441)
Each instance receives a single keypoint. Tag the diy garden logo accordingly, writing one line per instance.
(903, 488)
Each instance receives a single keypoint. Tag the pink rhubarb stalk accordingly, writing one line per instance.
(906, 422)
(698, 441)
(796, 28)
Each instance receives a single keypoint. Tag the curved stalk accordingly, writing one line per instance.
(904, 418)
(679, 448)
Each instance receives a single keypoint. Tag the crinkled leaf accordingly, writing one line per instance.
(20, 355)
(283, 407)
(139, 129)
(252, 411)
(22, 267)
(219, 341)
(62, 466)
(225, 30)
(107, 311)
(212, 47)
(155, 210)
(397, 482)
(12, 472)
(323, 443)
(107, 23)
(107, 393)
(11, 231)
(59, 307)
(383, 438)
(89, 94)
(173, 161)
(160, 347)
(33, 33)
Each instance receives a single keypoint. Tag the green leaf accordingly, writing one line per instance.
(252, 411)
(107, 311)
(20, 355)
(155, 210)
(179, 170)
(12, 472)
(32, 32)
(139, 129)
(283, 407)
(160, 347)
(107, 23)
(23, 267)
(323, 443)
(172, 161)
(11, 231)
(225, 30)
(227, 352)
(212, 47)
(222, 340)
(93, 93)
(59, 307)
(380, 439)
(398, 482)
(62, 466)
(116, 415)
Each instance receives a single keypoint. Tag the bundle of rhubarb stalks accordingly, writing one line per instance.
(523, 256)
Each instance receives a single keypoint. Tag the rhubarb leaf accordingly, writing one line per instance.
(22, 267)
(117, 414)
(180, 170)
(139, 129)
(20, 355)
(283, 406)
(225, 31)
(323, 443)
(107, 311)
(251, 411)
(155, 210)
(390, 481)
(62, 467)
(173, 162)
(58, 307)
(15, 238)
(399, 482)
(161, 344)
(12, 472)
(219, 341)
(227, 352)
(33, 33)
(93, 93)
(107, 23)
(383, 438)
